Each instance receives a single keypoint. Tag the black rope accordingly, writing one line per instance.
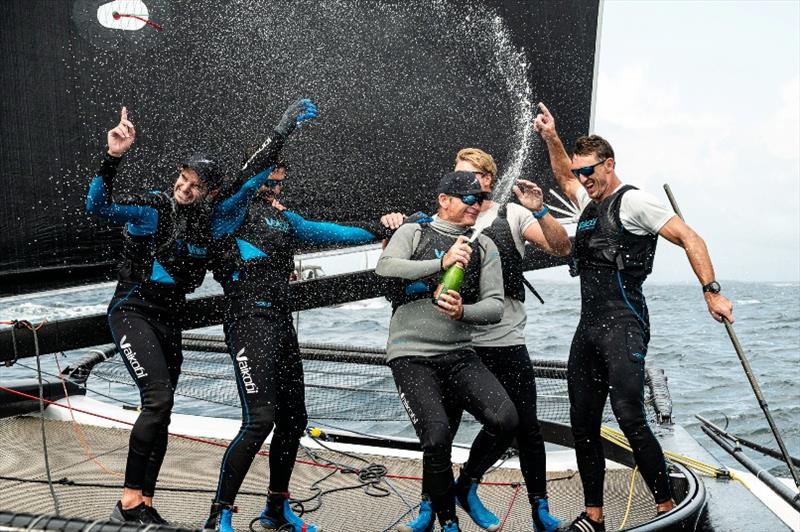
(57, 509)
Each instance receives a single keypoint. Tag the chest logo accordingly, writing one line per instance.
(281, 226)
(587, 224)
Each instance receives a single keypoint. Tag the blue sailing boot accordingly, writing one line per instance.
(467, 498)
(451, 526)
(220, 518)
(424, 521)
(543, 520)
(277, 514)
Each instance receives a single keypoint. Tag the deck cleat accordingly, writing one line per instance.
(424, 522)
(467, 498)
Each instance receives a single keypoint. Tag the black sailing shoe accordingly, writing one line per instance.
(138, 514)
(584, 524)
(157, 516)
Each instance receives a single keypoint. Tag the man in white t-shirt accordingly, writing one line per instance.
(614, 248)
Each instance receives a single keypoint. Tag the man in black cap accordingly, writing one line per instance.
(166, 252)
(429, 349)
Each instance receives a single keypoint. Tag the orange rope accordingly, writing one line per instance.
(217, 444)
(79, 432)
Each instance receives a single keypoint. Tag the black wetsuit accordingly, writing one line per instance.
(253, 259)
(608, 351)
(512, 366)
(165, 254)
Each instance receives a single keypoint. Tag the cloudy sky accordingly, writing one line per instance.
(705, 96)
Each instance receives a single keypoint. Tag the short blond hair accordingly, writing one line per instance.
(479, 159)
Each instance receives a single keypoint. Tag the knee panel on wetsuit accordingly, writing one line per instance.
(292, 426)
(157, 401)
(436, 446)
(260, 422)
(503, 419)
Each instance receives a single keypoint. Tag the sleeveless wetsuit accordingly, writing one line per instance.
(608, 350)
(504, 352)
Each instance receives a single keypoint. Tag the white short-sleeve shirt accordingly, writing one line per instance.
(640, 212)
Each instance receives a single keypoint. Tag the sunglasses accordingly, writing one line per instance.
(586, 171)
(472, 199)
(272, 183)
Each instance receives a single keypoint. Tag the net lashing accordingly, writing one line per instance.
(347, 387)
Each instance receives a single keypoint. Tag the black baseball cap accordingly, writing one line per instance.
(208, 168)
(459, 184)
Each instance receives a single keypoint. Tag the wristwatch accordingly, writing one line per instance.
(712, 287)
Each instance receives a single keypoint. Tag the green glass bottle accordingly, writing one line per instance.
(451, 280)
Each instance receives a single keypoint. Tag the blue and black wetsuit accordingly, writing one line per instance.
(253, 259)
(166, 251)
(166, 254)
(608, 351)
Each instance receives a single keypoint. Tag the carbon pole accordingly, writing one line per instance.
(781, 489)
(772, 453)
(749, 372)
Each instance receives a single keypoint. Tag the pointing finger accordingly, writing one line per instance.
(544, 109)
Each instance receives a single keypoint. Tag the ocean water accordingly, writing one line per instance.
(705, 375)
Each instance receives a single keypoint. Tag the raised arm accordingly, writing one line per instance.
(559, 160)
(297, 113)
(230, 213)
(680, 234)
(141, 219)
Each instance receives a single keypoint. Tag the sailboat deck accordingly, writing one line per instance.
(89, 488)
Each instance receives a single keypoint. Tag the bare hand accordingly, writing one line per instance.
(393, 220)
(451, 305)
(458, 252)
(544, 122)
(121, 137)
(277, 204)
(719, 306)
(529, 195)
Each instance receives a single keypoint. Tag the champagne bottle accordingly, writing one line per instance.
(451, 280)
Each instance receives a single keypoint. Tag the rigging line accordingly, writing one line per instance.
(84, 387)
(510, 506)
(34, 330)
(79, 432)
(630, 499)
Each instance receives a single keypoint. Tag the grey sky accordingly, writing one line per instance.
(706, 97)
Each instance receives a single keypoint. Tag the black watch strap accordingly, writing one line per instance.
(712, 287)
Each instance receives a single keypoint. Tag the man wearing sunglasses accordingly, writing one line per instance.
(429, 349)
(253, 260)
(615, 245)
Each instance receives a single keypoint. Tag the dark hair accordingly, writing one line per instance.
(594, 144)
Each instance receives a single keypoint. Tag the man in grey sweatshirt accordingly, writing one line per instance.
(429, 349)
